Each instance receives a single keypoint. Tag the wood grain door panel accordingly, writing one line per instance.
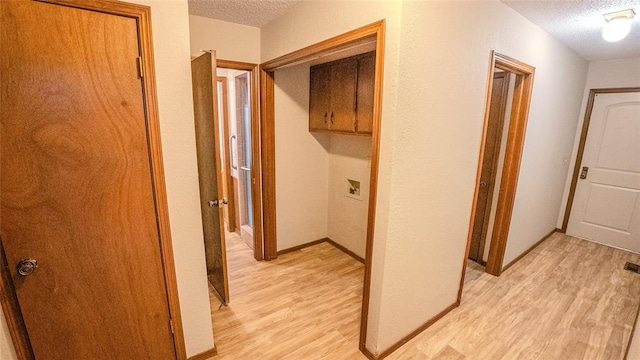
(364, 101)
(343, 96)
(205, 101)
(76, 185)
(319, 98)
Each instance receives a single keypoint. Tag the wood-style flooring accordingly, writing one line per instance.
(567, 299)
(303, 305)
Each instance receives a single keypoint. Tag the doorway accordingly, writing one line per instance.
(603, 199)
(501, 94)
(495, 227)
(364, 35)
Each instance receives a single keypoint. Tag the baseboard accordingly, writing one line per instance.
(320, 241)
(529, 249)
(299, 247)
(205, 355)
(413, 334)
(345, 250)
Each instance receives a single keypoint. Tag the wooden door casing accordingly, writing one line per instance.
(495, 128)
(81, 186)
(203, 70)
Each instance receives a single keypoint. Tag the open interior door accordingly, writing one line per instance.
(205, 102)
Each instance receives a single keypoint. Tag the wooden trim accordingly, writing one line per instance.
(320, 241)
(415, 332)
(268, 148)
(12, 312)
(302, 246)
(581, 145)
(513, 155)
(205, 355)
(142, 14)
(368, 33)
(256, 151)
(345, 250)
(363, 34)
(529, 250)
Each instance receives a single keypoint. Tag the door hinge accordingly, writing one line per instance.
(139, 65)
(171, 326)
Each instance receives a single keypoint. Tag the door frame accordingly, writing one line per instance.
(582, 143)
(496, 160)
(256, 153)
(8, 298)
(231, 206)
(512, 159)
(368, 33)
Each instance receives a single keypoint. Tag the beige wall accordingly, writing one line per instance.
(302, 161)
(231, 41)
(349, 158)
(602, 75)
(434, 95)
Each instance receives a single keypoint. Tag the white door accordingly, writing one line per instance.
(606, 206)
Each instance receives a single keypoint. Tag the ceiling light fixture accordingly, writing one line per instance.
(618, 25)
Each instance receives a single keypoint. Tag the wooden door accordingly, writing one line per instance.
(364, 100)
(77, 186)
(205, 101)
(319, 97)
(343, 96)
(495, 126)
(606, 205)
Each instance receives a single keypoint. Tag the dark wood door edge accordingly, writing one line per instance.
(581, 144)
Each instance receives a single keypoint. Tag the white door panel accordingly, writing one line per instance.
(606, 206)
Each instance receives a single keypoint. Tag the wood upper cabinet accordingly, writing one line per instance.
(341, 95)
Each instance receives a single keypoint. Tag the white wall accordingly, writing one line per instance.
(602, 74)
(349, 158)
(231, 41)
(302, 161)
(434, 95)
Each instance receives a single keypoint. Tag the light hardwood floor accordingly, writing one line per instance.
(567, 299)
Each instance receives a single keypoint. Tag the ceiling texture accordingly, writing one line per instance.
(256, 13)
(576, 23)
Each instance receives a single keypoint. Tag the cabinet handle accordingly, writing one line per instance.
(332, 117)
(325, 117)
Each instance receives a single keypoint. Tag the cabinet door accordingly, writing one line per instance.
(343, 96)
(364, 101)
(319, 97)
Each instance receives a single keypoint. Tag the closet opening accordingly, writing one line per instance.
(320, 112)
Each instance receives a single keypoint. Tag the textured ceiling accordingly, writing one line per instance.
(578, 24)
(256, 13)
